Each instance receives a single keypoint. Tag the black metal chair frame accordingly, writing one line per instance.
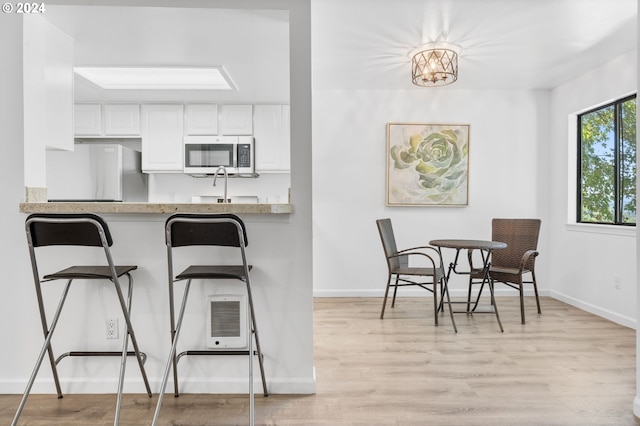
(183, 230)
(398, 268)
(78, 230)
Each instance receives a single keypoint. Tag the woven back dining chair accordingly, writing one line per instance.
(400, 274)
(515, 265)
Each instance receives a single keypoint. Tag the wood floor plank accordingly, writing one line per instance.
(563, 368)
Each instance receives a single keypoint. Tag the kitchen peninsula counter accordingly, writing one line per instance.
(153, 208)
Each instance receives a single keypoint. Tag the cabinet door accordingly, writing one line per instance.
(271, 133)
(285, 146)
(162, 130)
(236, 120)
(87, 120)
(122, 120)
(201, 119)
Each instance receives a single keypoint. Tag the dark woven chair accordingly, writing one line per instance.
(510, 266)
(402, 275)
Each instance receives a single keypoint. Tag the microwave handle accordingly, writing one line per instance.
(235, 155)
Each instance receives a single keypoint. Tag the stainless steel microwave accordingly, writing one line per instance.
(204, 154)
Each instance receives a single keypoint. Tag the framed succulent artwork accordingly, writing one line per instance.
(427, 164)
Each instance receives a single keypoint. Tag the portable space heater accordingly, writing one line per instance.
(227, 321)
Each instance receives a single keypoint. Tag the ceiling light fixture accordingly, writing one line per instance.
(434, 65)
(157, 78)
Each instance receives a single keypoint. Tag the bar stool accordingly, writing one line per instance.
(222, 230)
(85, 230)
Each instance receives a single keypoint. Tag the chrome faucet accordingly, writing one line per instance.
(226, 180)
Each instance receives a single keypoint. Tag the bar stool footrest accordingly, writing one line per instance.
(214, 352)
(220, 352)
(99, 353)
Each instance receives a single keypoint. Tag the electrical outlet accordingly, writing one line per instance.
(112, 328)
(617, 284)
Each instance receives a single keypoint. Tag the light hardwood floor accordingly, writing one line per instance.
(565, 367)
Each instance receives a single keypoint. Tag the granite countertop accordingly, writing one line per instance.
(153, 208)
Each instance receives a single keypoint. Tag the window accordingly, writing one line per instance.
(607, 164)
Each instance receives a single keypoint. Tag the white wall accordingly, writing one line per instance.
(583, 259)
(349, 152)
(279, 247)
(15, 305)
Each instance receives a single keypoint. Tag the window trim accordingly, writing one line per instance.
(617, 103)
(603, 229)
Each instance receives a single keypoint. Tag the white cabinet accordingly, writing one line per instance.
(122, 120)
(201, 119)
(107, 120)
(272, 138)
(285, 146)
(236, 120)
(162, 131)
(87, 120)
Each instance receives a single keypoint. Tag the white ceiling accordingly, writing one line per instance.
(362, 44)
(253, 46)
(510, 44)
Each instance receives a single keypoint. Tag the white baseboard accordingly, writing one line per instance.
(604, 313)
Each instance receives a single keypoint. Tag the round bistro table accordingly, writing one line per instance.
(485, 247)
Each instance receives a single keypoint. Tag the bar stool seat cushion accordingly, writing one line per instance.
(213, 271)
(89, 272)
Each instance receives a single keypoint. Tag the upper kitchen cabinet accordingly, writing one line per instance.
(122, 120)
(236, 120)
(162, 132)
(272, 138)
(107, 120)
(87, 120)
(201, 119)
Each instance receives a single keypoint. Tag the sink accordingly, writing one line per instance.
(241, 199)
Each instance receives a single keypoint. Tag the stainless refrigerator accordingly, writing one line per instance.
(96, 172)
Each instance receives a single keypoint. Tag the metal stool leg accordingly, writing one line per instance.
(252, 411)
(125, 346)
(123, 364)
(131, 333)
(255, 333)
(46, 347)
(172, 354)
(45, 330)
(176, 391)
